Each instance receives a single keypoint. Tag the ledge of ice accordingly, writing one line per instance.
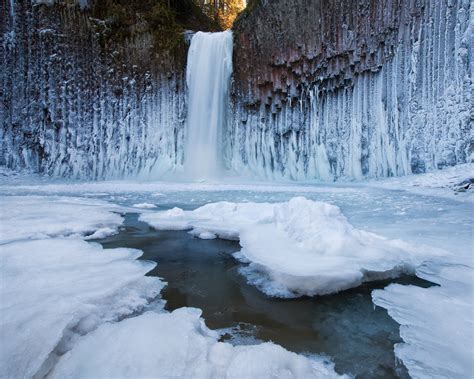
(179, 345)
(436, 323)
(54, 290)
(296, 248)
(53, 216)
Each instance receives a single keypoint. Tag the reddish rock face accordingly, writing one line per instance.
(362, 88)
(283, 46)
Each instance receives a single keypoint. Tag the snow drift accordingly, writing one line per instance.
(300, 247)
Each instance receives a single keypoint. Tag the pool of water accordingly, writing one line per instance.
(347, 327)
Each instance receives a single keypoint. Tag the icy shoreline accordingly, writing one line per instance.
(423, 210)
(66, 301)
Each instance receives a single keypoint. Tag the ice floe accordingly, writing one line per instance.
(54, 290)
(436, 323)
(179, 345)
(299, 247)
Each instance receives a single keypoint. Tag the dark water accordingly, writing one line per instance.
(203, 274)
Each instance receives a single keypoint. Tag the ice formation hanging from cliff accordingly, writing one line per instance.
(207, 75)
(367, 91)
(71, 107)
(353, 89)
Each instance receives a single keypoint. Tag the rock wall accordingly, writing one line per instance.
(322, 89)
(334, 88)
(72, 103)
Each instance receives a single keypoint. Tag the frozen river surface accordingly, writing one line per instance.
(39, 215)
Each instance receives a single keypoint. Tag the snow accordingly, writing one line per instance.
(54, 290)
(437, 324)
(179, 345)
(144, 205)
(300, 247)
(443, 183)
(64, 298)
(47, 216)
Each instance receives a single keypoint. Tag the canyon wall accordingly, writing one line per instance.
(321, 89)
(74, 103)
(334, 88)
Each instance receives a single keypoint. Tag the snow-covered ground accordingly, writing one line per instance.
(56, 289)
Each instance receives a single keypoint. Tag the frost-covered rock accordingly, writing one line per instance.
(179, 345)
(55, 290)
(301, 247)
(351, 88)
(345, 96)
(89, 108)
(437, 324)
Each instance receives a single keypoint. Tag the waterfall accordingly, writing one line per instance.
(207, 75)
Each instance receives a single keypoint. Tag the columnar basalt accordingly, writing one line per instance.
(74, 103)
(332, 88)
(322, 89)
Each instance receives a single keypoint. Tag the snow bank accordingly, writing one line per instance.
(54, 290)
(300, 247)
(436, 323)
(455, 182)
(49, 216)
(179, 345)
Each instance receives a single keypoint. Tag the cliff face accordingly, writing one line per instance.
(331, 88)
(75, 103)
(321, 89)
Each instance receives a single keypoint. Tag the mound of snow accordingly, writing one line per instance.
(437, 324)
(300, 247)
(50, 216)
(144, 205)
(53, 290)
(179, 345)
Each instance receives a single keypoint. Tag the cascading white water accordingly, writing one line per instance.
(207, 75)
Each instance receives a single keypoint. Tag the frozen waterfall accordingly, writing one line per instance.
(207, 75)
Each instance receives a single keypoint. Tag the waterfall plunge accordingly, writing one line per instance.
(207, 75)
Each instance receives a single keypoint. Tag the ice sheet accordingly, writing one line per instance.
(49, 216)
(437, 323)
(53, 290)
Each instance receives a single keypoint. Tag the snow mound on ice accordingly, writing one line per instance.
(50, 216)
(144, 205)
(436, 323)
(179, 345)
(53, 290)
(300, 247)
